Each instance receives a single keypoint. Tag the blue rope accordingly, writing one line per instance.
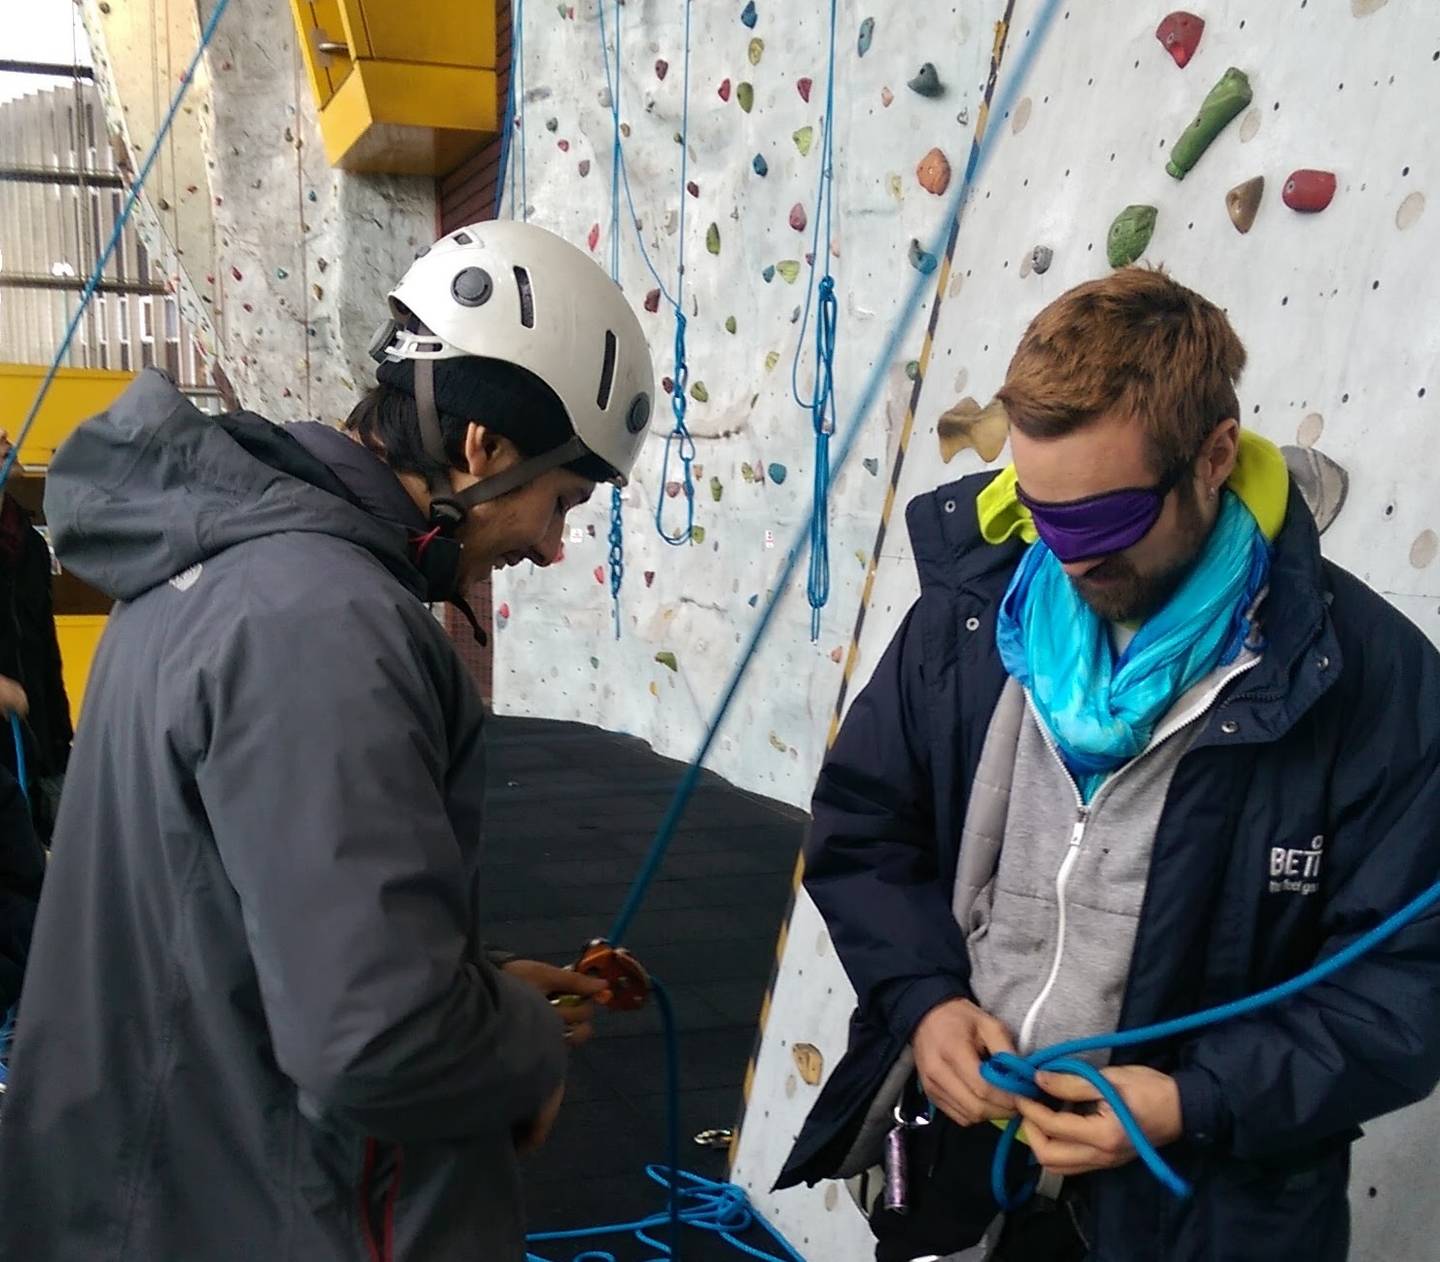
(617, 553)
(517, 53)
(121, 220)
(617, 515)
(885, 356)
(821, 403)
(718, 1209)
(21, 772)
(1016, 1074)
(506, 130)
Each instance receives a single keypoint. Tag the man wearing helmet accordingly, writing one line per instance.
(260, 1019)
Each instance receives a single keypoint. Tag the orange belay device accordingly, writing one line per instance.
(627, 984)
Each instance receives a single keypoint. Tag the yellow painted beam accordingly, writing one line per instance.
(79, 637)
(75, 395)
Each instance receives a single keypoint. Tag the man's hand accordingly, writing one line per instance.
(579, 1018)
(1077, 1143)
(949, 1043)
(12, 697)
(4, 445)
(532, 1137)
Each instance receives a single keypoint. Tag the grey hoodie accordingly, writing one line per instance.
(259, 1022)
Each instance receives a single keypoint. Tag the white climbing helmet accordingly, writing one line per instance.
(514, 292)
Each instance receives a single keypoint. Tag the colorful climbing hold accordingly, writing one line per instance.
(778, 473)
(837, 654)
(921, 259)
(1040, 259)
(768, 273)
(699, 393)
(563, 146)
(649, 578)
(625, 130)
(552, 124)
(754, 600)
(730, 325)
(872, 466)
(594, 237)
(797, 217)
(667, 385)
(748, 14)
(967, 424)
(697, 534)
(668, 659)
(867, 33)
(237, 274)
(594, 663)
(912, 370)
(789, 270)
(803, 86)
(599, 573)
(712, 238)
(804, 138)
(311, 196)
(886, 97)
(745, 95)
(1223, 102)
(927, 81)
(1309, 191)
(756, 50)
(1243, 203)
(779, 744)
(933, 172)
(281, 274)
(717, 489)
(1179, 35)
(725, 89)
(771, 359)
(673, 489)
(1130, 234)
(860, 556)
(654, 690)
(584, 167)
(795, 315)
(662, 68)
(652, 300)
(504, 612)
(747, 473)
(897, 188)
(762, 168)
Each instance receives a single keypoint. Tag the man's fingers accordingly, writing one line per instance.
(1068, 1087)
(965, 1061)
(579, 1035)
(1094, 1130)
(953, 1098)
(576, 1013)
(993, 1035)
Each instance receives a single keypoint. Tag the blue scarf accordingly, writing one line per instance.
(1102, 711)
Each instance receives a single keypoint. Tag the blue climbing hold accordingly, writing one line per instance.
(769, 273)
(872, 466)
(778, 473)
(921, 259)
(748, 15)
(761, 166)
(867, 33)
(753, 601)
(310, 196)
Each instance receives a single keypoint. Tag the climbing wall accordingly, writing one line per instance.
(281, 263)
(755, 136)
(1343, 369)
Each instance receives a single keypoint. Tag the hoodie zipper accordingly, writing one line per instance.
(1084, 813)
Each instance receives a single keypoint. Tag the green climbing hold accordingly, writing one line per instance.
(912, 370)
(281, 273)
(778, 473)
(804, 138)
(669, 659)
(921, 259)
(1130, 234)
(789, 270)
(745, 95)
(927, 81)
(717, 489)
(747, 473)
(699, 393)
(595, 663)
(730, 325)
(697, 534)
(1226, 99)
(867, 33)
(712, 238)
(757, 50)
(771, 359)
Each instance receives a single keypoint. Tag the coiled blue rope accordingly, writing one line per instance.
(98, 272)
(21, 774)
(717, 1209)
(821, 402)
(1016, 1074)
(617, 155)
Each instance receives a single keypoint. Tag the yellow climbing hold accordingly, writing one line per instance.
(745, 96)
(667, 659)
(789, 269)
(804, 138)
(654, 689)
(712, 238)
(779, 744)
(697, 534)
(773, 357)
(967, 424)
(757, 51)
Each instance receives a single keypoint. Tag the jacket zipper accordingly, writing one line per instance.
(383, 1249)
(1083, 814)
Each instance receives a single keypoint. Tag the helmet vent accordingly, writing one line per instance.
(463, 238)
(527, 298)
(607, 371)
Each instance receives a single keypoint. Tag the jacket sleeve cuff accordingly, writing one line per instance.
(1204, 1118)
(907, 1003)
(499, 958)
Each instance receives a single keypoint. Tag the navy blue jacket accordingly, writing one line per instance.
(1334, 735)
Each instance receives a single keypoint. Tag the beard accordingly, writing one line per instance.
(1118, 592)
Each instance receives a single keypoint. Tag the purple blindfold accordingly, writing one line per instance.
(1098, 525)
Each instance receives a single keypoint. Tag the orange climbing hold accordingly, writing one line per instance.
(1309, 191)
(933, 172)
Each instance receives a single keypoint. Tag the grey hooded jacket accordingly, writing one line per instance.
(259, 1022)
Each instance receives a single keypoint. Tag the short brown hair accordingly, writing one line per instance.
(1134, 340)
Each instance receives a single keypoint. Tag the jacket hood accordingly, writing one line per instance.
(153, 486)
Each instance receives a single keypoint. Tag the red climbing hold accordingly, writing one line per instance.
(504, 612)
(673, 489)
(594, 237)
(662, 68)
(564, 146)
(725, 89)
(803, 86)
(237, 274)
(1179, 34)
(599, 573)
(584, 167)
(652, 301)
(649, 578)
(1309, 191)
(797, 217)
(667, 385)
(693, 189)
